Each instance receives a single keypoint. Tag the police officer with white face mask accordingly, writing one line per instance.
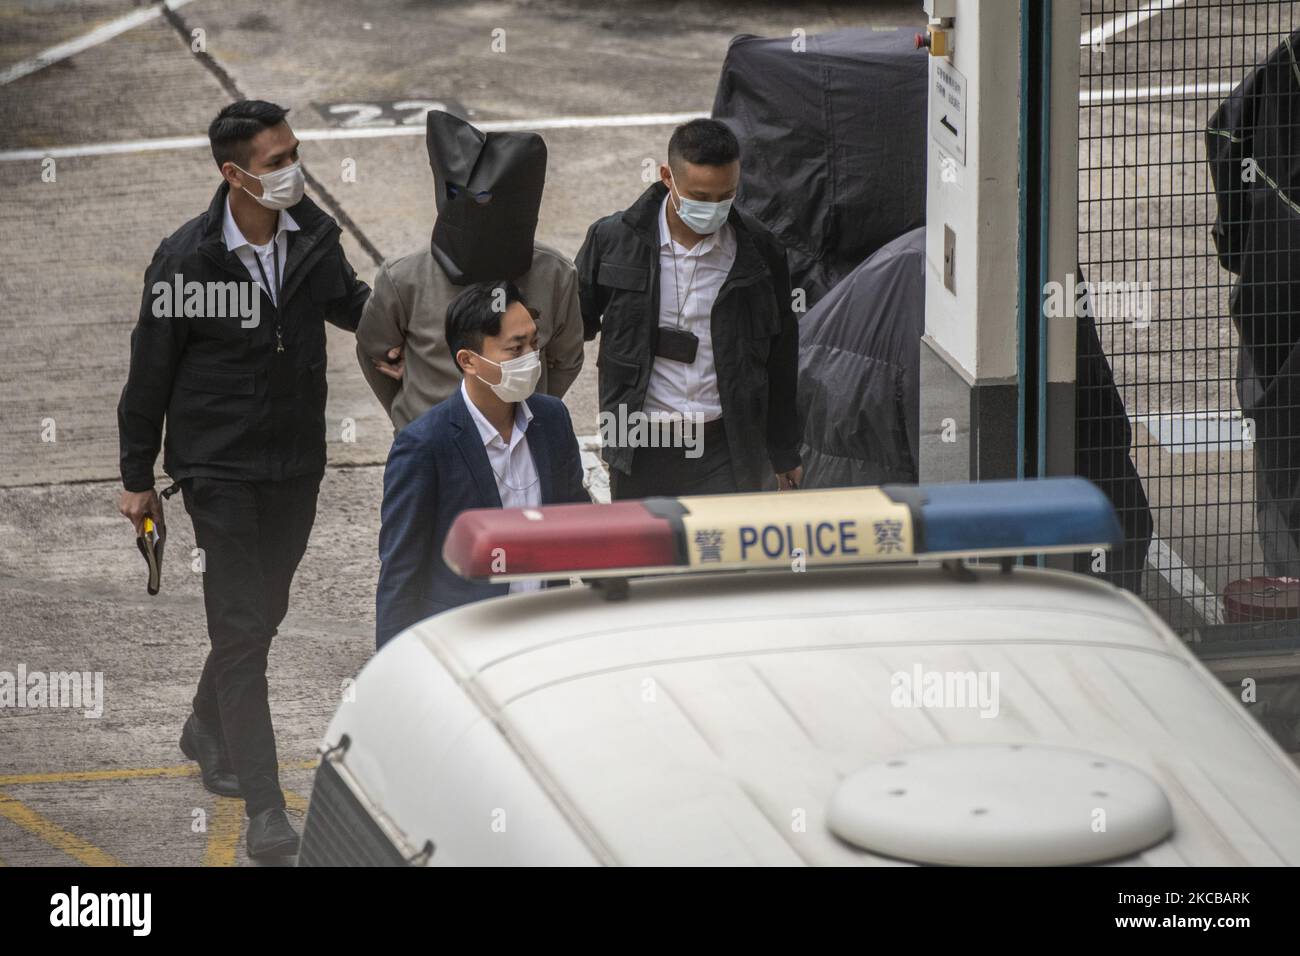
(698, 342)
(229, 353)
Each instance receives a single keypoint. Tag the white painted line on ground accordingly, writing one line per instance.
(584, 122)
(1121, 95)
(1125, 22)
(105, 149)
(492, 126)
(1089, 98)
(1186, 582)
(87, 40)
(311, 135)
(1183, 433)
(1211, 414)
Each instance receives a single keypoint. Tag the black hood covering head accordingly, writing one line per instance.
(489, 189)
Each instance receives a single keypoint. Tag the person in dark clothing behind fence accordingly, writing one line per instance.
(1102, 436)
(237, 372)
(1252, 144)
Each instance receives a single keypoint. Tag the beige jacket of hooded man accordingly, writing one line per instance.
(408, 305)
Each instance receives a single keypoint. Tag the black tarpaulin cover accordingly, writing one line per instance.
(832, 143)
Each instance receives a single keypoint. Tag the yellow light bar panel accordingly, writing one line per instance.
(764, 531)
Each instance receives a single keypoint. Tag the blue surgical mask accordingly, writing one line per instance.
(701, 218)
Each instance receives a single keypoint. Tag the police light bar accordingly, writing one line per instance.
(770, 530)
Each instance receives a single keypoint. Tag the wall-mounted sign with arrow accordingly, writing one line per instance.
(948, 108)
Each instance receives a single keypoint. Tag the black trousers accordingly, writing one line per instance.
(668, 471)
(253, 534)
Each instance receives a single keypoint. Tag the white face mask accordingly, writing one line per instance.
(280, 189)
(701, 218)
(519, 376)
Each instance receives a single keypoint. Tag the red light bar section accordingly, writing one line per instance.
(558, 540)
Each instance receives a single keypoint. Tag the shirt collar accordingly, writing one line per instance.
(235, 238)
(486, 430)
(706, 244)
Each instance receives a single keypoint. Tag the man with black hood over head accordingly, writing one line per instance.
(488, 190)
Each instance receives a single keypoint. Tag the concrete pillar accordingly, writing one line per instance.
(969, 384)
(1063, 237)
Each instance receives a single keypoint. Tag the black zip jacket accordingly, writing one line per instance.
(235, 406)
(755, 338)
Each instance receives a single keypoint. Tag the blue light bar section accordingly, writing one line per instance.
(1043, 513)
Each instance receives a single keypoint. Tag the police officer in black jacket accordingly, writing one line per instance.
(229, 351)
(691, 299)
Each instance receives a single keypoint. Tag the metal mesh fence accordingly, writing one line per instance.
(1189, 235)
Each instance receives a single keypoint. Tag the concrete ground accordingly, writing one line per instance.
(115, 789)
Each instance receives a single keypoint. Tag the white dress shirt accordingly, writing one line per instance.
(249, 254)
(512, 464)
(689, 280)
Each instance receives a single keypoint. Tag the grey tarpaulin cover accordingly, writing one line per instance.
(832, 143)
(860, 396)
(859, 371)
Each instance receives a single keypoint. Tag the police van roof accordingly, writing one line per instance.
(688, 725)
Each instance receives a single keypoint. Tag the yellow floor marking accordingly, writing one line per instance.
(85, 776)
(53, 834)
(224, 826)
(225, 823)
(133, 773)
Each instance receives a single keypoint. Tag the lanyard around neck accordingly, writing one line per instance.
(275, 267)
(681, 302)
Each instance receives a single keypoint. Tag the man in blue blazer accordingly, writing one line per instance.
(492, 444)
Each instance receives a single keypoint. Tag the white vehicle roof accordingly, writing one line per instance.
(712, 719)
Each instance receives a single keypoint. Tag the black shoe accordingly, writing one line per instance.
(271, 834)
(199, 743)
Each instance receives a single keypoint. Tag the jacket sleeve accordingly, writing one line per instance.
(1227, 145)
(346, 313)
(156, 346)
(783, 429)
(571, 473)
(382, 327)
(408, 517)
(564, 351)
(592, 298)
